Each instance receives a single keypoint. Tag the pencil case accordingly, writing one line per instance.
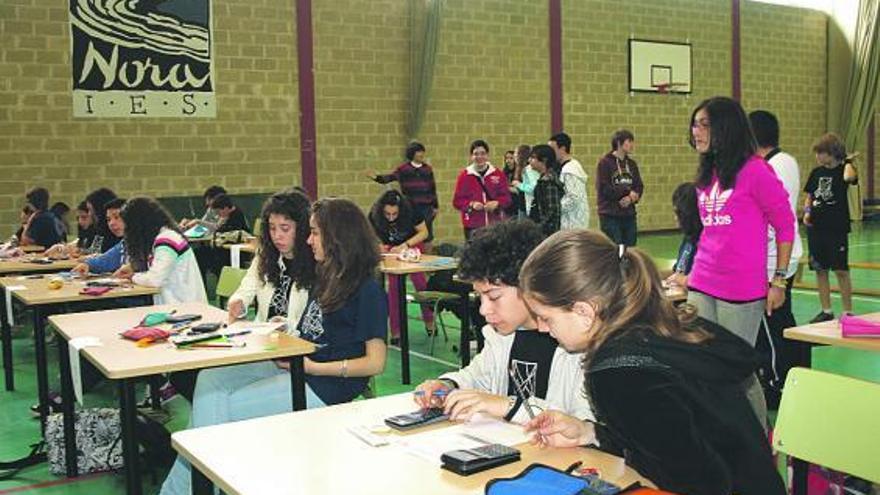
(853, 326)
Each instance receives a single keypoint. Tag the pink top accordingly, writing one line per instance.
(732, 256)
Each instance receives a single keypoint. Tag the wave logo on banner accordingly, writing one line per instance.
(142, 58)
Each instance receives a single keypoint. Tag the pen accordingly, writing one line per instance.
(236, 334)
(437, 393)
(216, 346)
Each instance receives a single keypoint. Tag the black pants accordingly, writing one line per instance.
(621, 230)
(777, 354)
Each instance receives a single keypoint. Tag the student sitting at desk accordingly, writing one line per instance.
(210, 219)
(97, 201)
(114, 258)
(158, 254)
(42, 226)
(345, 313)
(552, 378)
(666, 387)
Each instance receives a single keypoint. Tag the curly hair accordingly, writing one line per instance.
(496, 253)
(293, 205)
(391, 197)
(144, 218)
(351, 251)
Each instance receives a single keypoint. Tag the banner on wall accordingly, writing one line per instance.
(142, 58)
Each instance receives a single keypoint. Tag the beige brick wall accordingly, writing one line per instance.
(252, 145)
(597, 101)
(783, 68)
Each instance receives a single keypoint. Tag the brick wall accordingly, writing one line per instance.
(252, 145)
(783, 68)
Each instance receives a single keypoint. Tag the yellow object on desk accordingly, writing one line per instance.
(56, 283)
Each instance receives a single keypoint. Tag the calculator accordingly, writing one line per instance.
(469, 461)
(422, 417)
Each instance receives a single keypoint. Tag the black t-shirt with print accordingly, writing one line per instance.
(530, 359)
(43, 230)
(281, 296)
(236, 221)
(401, 229)
(830, 208)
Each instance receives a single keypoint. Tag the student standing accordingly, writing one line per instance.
(546, 208)
(417, 183)
(481, 191)
(400, 226)
(575, 203)
(619, 188)
(344, 313)
(552, 378)
(527, 180)
(826, 215)
(666, 387)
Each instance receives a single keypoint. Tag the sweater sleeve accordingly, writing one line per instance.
(388, 178)
(250, 284)
(575, 191)
(461, 200)
(503, 194)
(106, 262)
(772, 199)
(648, 409)
(530, 180)
(163, 265)
(478, 374)
(638, 186)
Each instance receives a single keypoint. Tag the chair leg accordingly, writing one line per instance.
(438, 319)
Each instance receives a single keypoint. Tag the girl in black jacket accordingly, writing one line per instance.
(666, 387)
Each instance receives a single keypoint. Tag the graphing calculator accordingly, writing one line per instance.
(422, 417)
(470, 461)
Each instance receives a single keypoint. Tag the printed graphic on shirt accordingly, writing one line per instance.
(311, 326)
(280, 295)
(622, 179)
(824, 194)
(525, 373)
(713, 203)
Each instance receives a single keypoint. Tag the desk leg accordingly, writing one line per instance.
(404, 329)
(201, 485)
(298, 382)
(67, 409)
(464, 344)
(42, 373)
(128, 417)
(7, 344)
(800, 468)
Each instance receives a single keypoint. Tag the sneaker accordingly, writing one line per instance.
(822, 316)
(54, 405)
(167, 392)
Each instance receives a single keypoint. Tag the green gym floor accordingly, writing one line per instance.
(18, 429)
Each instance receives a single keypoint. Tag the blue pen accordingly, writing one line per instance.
(437, 393)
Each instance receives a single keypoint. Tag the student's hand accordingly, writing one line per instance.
(426, 398)
(624, 202)
(477, 206)
(808, 220)
(557, 429)
(492, 206)
(678, 279)
(775, 299)
(124, 271)
(282, 364)
(398, 248)
(515, 184)
(460, 405)
(80, 269)
(634, 196)
(234, 309)
(57, 251)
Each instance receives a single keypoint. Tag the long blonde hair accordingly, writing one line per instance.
(583, 265)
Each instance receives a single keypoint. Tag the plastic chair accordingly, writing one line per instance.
(434, 299)
(227, 284)
(830, 420)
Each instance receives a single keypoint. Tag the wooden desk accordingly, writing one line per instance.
(32, 248)
(393, 267)
(826, 333)
(12, 266)
(122, 360)
(312, 452)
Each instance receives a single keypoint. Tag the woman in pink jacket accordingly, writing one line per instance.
(738, 196)
(481, 191)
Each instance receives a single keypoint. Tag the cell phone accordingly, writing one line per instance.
(192, 338)
(205, 327)
(182, 318)
(469, 461)
(422, 417)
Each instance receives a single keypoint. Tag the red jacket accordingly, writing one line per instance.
(468, 189)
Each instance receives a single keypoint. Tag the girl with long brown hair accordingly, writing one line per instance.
(666, 386)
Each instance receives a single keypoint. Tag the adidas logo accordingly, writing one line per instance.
(713, 203)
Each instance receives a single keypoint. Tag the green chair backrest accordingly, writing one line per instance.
(230, 279)
(258, 226)
(832, 421)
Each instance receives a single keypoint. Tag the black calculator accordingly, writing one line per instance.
(469, 461)
(422, 417)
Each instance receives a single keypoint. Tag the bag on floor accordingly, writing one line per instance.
(98, 441)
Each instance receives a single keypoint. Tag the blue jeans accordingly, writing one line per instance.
(235, 393)
(621, 230)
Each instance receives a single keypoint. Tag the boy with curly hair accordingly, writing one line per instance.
(550, 377)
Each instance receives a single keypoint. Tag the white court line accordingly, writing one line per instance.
(837, 295)
(428, 358)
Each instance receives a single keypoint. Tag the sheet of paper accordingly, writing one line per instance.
(254, 327)
(235, 255)
(495, 430)
(430, 445)
(9, 313)
(73, 347)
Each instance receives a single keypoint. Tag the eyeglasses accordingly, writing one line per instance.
(701, 124)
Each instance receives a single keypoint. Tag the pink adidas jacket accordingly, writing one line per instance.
(731, 262)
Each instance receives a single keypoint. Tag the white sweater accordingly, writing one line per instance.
(174, 270)
(786, 168)
(488, 371)
(252, 286)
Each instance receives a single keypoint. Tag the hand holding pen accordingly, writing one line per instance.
(431, 393)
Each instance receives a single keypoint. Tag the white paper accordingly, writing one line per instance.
(433, 444)
(495, 431)
(9, 313)
(73, 347)
(255, 327)
(235, 255)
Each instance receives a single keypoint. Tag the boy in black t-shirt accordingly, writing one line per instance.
(42, 228)
(826, 215)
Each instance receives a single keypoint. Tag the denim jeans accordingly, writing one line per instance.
(235, 393)
(621, 230)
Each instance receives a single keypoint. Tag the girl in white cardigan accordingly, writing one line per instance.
(159, 255)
